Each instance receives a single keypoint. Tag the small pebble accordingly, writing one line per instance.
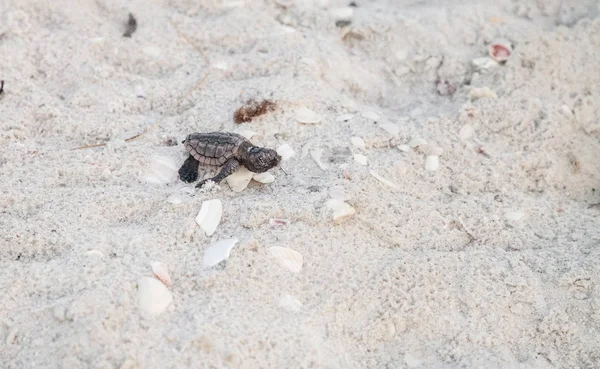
(360, 159)
(217, 252)
(209, 216)
(264, 178)
(416, 142)
(285, 151)
(404, 148)
(307, 116)
(288, 258)
(238, 181)
(153, 297)
(341, 210)
(358, 142)
(432, 163)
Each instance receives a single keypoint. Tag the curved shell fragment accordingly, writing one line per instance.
(218, 251)
(432, 163)
(340, 210)
(358, 142)
(161, 272)
(265, 177)
(152, 296)
(288, 258)
(285, 151)
(238, 181)
(360, 159)
(209, 216)
(307, 116)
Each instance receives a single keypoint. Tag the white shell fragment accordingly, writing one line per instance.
(385, 181)
(162, 170)
(307, 116)
(341, 210)
(219, 251)
(175, 199)
(161, 272)
(370, 115)
(484, 63)
(265, 177)
(416, 142)
(285, 151)
(432, 163)
(481, 93)
(404, 148)
(344, 118)
(238, 181)
(358, 142)
(337, 193)
(389, 127)
(514, 215)
(316, 155)
(288, 258)
(209, 216)
(466, 132)
(360, 159)
(152, 296)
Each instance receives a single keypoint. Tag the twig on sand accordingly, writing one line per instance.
(129, 139)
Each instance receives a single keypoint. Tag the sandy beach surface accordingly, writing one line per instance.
(468, 185)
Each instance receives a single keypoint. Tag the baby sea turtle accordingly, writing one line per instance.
(229, 150)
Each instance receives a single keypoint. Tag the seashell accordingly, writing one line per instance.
(514, 215)
(432, 163)
(391, 128)
(344, 118)
(416, 142)
(466, 132)
(482, 92)
(245, 132)
(337, 193)
(341, 210)
(218, 251)
(238, 181)
(278, 222)
(566, 111)
(209, 216)
(385, 181)
(358, 142)
(316, 155)
(162, 171)
(152, 296)
(370, 115)
(360, 159)
(404, 148)
(161, 272)
(285, 151)
(307, 116)
(500, 51)
(265, 177)
(288, 258)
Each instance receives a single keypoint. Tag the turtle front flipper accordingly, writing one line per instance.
(189, 170)
(230, 166)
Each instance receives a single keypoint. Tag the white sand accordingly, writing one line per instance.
(490, 261)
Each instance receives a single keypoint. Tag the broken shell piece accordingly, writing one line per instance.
(482, 92)
(316, 155)
(514, 215)
(484, 63)
(432, 163)
(360, 159)
(384, 181)
(162, 170)
(238, 181)
(288, 258)
(209, 216)
(416, 142)
(404, 148)
(307, 116)
(344, 118)
(161, 272)
(341, 210)
(265, 177)
(466, 132)
(358, 142)
(285, 151)
(277, 222)
(500, 51)
(391, 128)
(217, 252)
(153, 297)
(370, 115)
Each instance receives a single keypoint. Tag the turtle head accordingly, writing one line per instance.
(260, 159)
